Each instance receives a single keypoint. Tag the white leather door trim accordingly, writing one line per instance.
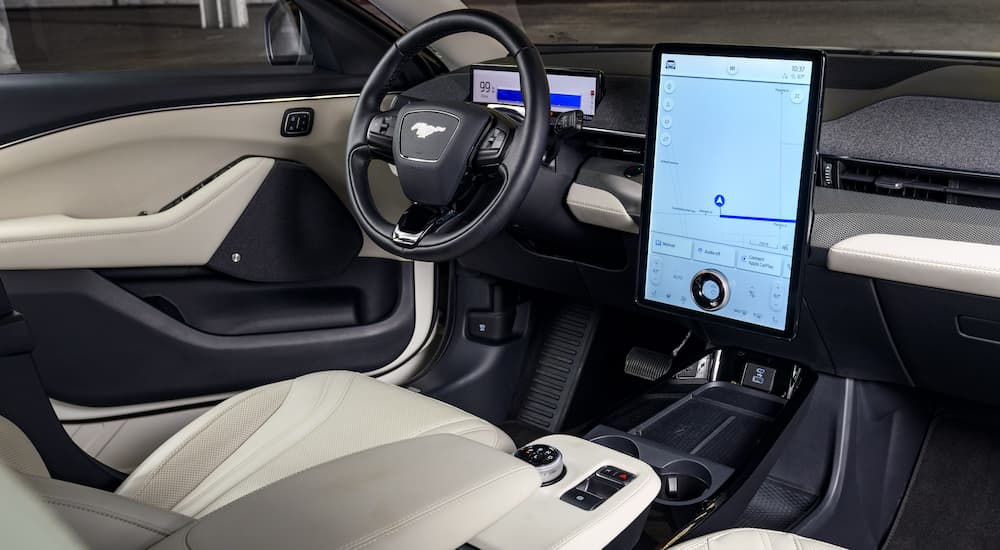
(961, 266)
(118, 167)
(187, 234)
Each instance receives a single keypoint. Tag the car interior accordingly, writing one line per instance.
(444, 287)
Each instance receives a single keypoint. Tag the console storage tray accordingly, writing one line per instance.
(719, 421)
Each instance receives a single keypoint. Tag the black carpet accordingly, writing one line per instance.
(953, 500)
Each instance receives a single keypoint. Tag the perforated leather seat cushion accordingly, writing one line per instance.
(263, 435)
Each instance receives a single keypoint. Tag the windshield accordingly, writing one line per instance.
(947, 25)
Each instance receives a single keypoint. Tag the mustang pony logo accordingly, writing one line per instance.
(423, 129)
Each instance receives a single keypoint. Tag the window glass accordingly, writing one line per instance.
(91, 35)
(951, 25)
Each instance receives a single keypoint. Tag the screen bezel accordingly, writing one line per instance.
(808, 173)
(599, 75)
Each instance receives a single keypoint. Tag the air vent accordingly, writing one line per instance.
(910, 182)
(606, 144)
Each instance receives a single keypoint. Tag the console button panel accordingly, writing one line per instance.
(600, 486)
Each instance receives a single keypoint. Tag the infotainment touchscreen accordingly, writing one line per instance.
(730, 157)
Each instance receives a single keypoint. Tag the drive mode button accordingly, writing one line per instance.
(710, 289)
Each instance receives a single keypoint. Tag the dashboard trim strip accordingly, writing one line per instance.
(960, 266)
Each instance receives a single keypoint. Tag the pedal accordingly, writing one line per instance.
(646, 364)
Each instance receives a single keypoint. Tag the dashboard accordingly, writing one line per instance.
(906, 193)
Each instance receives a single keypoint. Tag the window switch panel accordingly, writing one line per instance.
(297, 122)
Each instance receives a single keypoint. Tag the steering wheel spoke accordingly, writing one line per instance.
(493, 145)
(381, 131)
(417, 222)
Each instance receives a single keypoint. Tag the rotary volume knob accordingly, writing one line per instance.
(547, 460)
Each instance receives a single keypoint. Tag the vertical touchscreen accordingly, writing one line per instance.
(727, 177)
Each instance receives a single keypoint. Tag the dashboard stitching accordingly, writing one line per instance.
(927, 263)
(607, 209)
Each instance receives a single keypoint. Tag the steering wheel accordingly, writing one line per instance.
(465, 167)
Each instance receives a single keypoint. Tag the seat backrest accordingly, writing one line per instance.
(17, 452)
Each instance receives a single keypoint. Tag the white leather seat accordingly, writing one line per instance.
(753, 539)
(269, 433)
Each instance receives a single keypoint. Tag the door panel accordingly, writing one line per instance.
(366, 292)
(81, 98)
(168, 246)
(99, 345)
(126, 165)
(71, 202)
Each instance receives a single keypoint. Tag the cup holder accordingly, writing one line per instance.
(684, 480)
(621, 444)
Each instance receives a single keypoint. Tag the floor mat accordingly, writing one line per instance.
(953, 500)
(777, 506)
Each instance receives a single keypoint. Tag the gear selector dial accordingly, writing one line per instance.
(547, 460)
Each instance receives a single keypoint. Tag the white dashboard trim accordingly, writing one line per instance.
(598, 207)
(960, 266)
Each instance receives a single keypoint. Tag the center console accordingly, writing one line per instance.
(716, 418)
(600, 494)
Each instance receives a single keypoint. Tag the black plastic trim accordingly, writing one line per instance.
(294, 229)
(36, 103)
(98, 345)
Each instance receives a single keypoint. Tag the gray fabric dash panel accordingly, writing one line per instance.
(843, 214)
(937, 132)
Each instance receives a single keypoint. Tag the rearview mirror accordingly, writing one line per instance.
(286, 38)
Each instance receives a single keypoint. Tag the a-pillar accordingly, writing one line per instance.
(8, 61)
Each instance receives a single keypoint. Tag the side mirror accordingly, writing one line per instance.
(286, 39)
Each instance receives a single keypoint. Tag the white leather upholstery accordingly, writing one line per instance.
(753, 539)
(26, 522)
(950, 265)
(426, 493)
(261, 436)
(17, 452)
(544, 522)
